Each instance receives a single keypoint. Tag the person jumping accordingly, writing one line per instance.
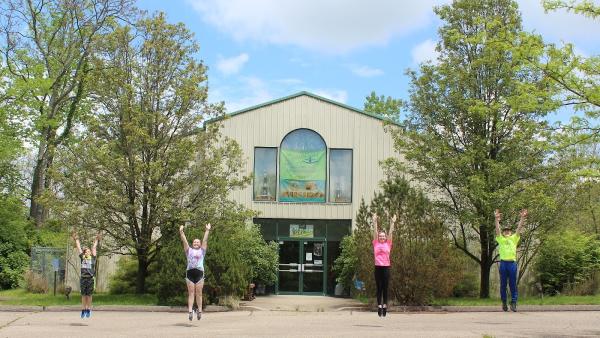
(382, 247)
(86, 281)
(194, 275)
(507, 247)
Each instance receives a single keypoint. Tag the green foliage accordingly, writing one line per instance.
(423, 266)
(14, 243)
(145, 166)
(123, 281)
(476, 131)
(566, 259)
(383, 106)
(236, 256)
(345, 265)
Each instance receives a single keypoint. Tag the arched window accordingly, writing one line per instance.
(302, 167)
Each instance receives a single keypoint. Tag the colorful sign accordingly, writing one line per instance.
(302, 175)
(301, 231)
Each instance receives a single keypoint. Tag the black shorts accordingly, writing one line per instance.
(86, 285)
(194, 275)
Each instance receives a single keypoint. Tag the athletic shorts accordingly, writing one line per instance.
(194, 275)
(86, 284)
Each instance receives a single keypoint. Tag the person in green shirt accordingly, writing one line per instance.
(507, 248)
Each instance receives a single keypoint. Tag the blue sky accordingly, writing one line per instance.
(259, 50)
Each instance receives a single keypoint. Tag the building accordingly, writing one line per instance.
(313, 161)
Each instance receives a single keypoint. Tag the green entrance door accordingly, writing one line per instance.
(302, 266)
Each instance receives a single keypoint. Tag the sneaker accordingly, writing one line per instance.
(199, 315)
(88, 313)
(82, 314)
(504, 306)
(380, 311)
(384, 311)
(191, 316)
(513, 306)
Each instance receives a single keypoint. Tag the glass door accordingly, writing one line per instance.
(312, 267)
(289, 266)
(301, 267)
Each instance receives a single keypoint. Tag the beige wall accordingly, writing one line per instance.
(340, 127)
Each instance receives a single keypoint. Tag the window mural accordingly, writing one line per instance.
(340, 175)
(302, 167)
(265, 174)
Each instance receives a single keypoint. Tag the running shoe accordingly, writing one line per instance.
(504, 306)
(384, 311)
(199, 315)
(82, 314)
(191, 316)
(513, 306)
(88, 313)
(379, 311)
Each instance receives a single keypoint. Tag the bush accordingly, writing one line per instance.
(14, 245)
(566, 261)
(124, 279)
(236, 256)
(344, 266)
(423, 264)
(35, 283)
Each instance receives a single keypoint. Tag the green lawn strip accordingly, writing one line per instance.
(555, 300)
(22, 297)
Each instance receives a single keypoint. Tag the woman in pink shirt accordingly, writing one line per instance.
(382, 246)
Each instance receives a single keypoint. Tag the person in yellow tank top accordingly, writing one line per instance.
(507, 249)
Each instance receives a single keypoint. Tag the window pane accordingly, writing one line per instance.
(265, 174)
(340, 176)
(303, 167)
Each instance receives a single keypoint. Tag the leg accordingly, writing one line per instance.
(512, 282)
(198, 291)
(384, 285)
(503, 277)
(190, 287)
(378, 282)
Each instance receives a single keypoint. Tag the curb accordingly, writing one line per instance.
(486, 308)
(114, 308)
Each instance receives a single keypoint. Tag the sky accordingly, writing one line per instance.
(260, 50)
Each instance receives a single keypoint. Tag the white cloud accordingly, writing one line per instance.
(249, 91)
(333, 26)
(232, 65)
(365, 71)
(423, 52)
(290, 81)
(332, 94)
(559, 26)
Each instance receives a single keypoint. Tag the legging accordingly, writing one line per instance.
(382, 278)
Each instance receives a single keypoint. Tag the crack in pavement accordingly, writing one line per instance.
(12, 321)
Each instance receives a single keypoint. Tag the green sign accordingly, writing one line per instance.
(301, 231)
(302, 175)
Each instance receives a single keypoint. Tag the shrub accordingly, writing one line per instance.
(35, 283)
(14, 245)
(423, 264)
(345, 265)
(123, 281)
(566, 260)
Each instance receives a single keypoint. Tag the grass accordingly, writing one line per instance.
(22, 297)
(547, 300)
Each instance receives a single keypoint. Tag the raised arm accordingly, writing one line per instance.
(498, 218)
(95, 245)
(184, 241)
(205, 238)
(521, 226)
(392, 225)
(376, 230)
(77, 244)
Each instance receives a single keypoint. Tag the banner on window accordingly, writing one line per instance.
(302, 175)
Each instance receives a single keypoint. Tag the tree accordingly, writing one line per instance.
(145, 165)
(476, 134)
(47, 46)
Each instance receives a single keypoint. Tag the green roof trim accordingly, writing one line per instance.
(302, 93)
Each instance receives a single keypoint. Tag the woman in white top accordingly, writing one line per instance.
(194, 275)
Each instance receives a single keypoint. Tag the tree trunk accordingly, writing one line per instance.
(140, 284)
(37, 211)
(485, 263)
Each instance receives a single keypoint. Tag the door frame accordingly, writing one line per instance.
(301, 256)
